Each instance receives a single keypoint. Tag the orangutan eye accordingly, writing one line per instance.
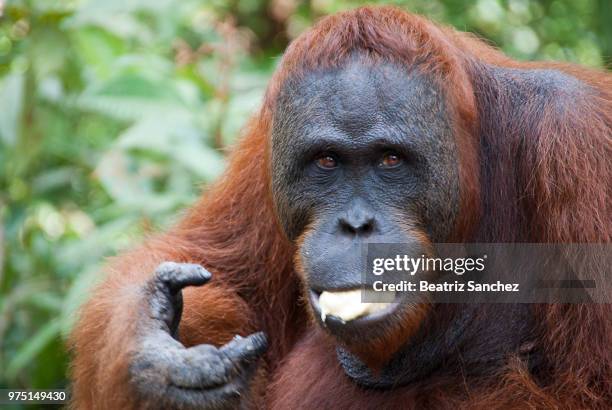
(327, 162)
(390, 160)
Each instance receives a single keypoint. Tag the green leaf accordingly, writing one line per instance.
(133, 96)
(11, 106)
(32, 347)
(99, 49)
(178, 140)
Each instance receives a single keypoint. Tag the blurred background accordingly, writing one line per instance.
(115, 113)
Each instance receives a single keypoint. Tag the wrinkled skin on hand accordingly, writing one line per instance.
(166, 374)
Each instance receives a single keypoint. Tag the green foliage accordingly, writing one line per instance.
(114, 112)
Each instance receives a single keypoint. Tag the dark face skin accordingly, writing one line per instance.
(364, 153)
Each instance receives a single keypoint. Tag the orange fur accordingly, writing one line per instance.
(563, 172)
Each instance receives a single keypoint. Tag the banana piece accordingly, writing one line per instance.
(347, 305)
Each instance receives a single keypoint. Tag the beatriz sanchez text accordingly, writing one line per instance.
(456, 286)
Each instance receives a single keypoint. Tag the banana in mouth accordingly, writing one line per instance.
(347, 305)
